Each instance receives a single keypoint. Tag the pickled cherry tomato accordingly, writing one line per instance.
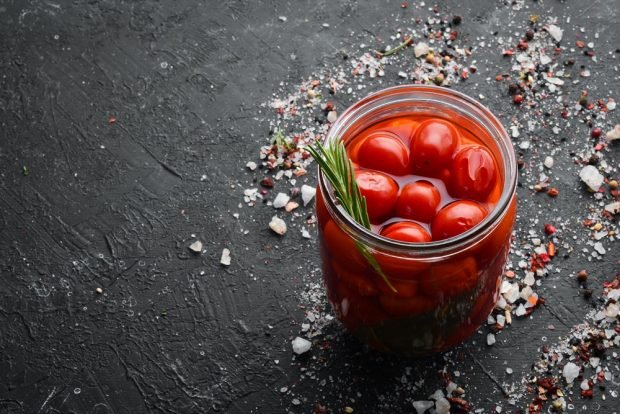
(456, 218)
(403, 127)
(433, 146)
(406, 231)
(381, 192)
(418, 201)
(473, 173)
(384, 151)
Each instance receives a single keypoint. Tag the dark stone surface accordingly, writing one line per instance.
(114, 205)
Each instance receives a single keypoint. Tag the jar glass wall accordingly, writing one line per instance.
(444, 290)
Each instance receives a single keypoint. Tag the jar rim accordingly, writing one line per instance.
(440, 95)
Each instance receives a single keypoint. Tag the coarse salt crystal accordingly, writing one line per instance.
(590, 175)
(437, 395)
(548, 162)
(570, 372)
(505, 287)
(251, 165)
(307, 193)
(555, 81)
(554, 31)
(529, 279)
(520, 311)
(300, 345)
(332, 116)
(614, 133)
(490, 339)
(422, 406)
(512, 294)
(280, 200)
(196, 246)
(225, 259)
(612, 310)
(598, 246)
(584, 385)
(277, 225)
(613, 208)
(305, 234)
(442, 406)
(525, 292)
(420, 49)
(290, 206)
(594, 361)
(450, 388)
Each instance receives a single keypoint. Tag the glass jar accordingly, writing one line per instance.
(444, 289)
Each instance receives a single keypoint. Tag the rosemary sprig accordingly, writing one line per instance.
(338, 169)
(407, 42)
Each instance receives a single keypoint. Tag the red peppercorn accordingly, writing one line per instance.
(586, 393)
(522, 44)
(518, 99)
(404, 4)
(267, 182)
(596, 132)
(553, 192)
(550, 229)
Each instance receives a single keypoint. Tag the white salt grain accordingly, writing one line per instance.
(332, 116)
(307, 193)
(490, 339)
(590, 175)
(225, 259)
(300, 345)
(277, 225)
(280, 200)
(420, 49)
(422, 406)
(442, 406)
(554, 31)
(548, 162)
(613, 208)
(570, 372)
(196, 246)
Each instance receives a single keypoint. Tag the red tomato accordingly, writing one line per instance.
(384, 151)
(418, 201)
(445, 280)
(381, 192)
(473, 173)
(341, 247)
(406, 231)
(407, 307)
(456, 218)
(433, 146)
(404, 288)
(403, 127)
(357, 281)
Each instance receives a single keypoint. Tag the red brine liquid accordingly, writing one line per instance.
(425, 179)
